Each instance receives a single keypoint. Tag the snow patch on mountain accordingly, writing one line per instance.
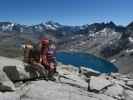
(7, 27)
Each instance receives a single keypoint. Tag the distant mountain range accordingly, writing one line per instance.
(105, 33)
(106, 40)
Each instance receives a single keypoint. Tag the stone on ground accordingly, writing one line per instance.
(130, 83)
(128, 95)
(115, 90)
(98, 83)
(5, 83)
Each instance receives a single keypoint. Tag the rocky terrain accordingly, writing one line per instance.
(19, 84)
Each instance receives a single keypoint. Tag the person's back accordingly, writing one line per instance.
(27, 49)
(35, 54)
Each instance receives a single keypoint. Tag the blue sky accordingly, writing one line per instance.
(69, 12)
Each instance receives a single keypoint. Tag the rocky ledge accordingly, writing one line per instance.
(18, 83)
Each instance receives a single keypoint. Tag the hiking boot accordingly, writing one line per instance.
(45, 78)
(51, 79)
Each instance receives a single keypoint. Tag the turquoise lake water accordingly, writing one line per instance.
(87, 60)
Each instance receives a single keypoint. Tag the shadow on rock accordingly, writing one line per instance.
(4, 88)
(27, 73)
(12, 73)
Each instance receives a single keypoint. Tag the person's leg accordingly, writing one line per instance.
(32, 71)
(42, 71)
(51, 72)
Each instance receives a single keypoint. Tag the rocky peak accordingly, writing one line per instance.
(110, 24)
(6, 26)
(130, 26)
(52, 25)
(5, 23)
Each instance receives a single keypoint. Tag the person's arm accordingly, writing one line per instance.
(40, 59)
(23, 46)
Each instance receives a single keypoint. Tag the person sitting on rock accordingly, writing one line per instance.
(35, 63)
(32, 60)
(27, 47)
(47, 57)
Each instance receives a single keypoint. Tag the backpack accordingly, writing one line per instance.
(35, 54)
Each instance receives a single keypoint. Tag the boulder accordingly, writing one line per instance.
(130, 83)
(17, 70)
(98, 83)
(88, 72)
(114, 91)
(17, 73)
(12, 70)
(128, 94)
(5, 83)
(24, 72)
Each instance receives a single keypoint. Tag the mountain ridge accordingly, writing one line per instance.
(52, 23)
